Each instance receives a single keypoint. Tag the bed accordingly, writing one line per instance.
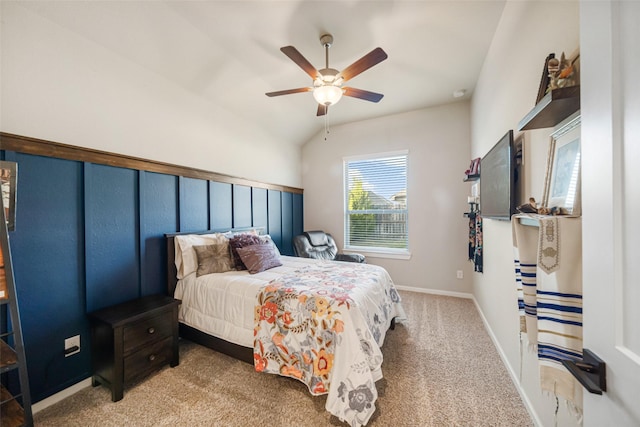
(321, 322)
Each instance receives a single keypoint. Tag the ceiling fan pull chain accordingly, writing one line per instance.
(326, 126)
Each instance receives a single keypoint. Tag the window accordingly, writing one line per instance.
(376, 215)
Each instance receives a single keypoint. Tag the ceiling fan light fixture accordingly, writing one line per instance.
(327, 94)
(327, 82)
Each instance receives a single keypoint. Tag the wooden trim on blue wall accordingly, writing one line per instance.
(41, 147)
(90, 233)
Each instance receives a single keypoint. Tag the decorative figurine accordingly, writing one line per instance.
(561, 73)
(530, 207)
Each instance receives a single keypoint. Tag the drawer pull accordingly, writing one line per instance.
(152, 358)
(151, 330)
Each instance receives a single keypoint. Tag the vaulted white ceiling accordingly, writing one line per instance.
(228, 52)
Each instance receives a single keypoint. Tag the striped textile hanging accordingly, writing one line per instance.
(526, 251)
(551, 298)
(559, 306)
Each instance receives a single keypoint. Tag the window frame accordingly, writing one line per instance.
(374, 251)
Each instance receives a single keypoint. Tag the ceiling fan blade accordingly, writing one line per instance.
(362, 94)
(302, 62)
(372, 58)
(322, 110)
(289, 91)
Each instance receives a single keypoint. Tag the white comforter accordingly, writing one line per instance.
(223, 304)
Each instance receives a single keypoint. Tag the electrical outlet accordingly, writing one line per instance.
(460, 274)
(72, 346)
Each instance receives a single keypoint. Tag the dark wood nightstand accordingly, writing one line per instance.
(133, 339)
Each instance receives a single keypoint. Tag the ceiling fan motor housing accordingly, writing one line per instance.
(326, 40)
(327, 76)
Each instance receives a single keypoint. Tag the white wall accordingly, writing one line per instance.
(438, 144)
(58, 86)
(610, 201)
(506, 92)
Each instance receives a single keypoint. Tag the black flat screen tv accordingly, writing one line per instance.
(497, 180)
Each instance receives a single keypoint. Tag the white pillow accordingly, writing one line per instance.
(186, 258)
(266, 238)
(232, 233)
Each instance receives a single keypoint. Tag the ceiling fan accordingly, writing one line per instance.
(327, 83)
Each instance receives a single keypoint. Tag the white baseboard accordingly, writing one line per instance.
(51, 400)
(512, 373)
(435, 292)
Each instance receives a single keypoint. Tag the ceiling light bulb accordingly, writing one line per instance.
(327, 94)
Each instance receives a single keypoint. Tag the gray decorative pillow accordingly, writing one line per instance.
(259, 258)
(214, 258)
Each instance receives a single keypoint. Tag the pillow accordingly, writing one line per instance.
(266, 239)
(253, 231)
(214, 258)
(259, 258)
(241, 241)
(186, 259)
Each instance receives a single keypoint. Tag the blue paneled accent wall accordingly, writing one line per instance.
(48, 252)
(274, 207)
(298, 226)
(111, 235)
(193, 209)
(221, 209)
(287, 222)
(260, 208)
(241, 206)
(89, 235)
(158, 212)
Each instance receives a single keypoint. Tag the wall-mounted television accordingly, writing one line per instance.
(498, 180)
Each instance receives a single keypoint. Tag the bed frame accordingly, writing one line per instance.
(230, 349)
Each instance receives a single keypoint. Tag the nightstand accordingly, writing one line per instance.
(133, 339)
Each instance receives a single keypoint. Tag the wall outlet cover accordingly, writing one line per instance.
(70, 343)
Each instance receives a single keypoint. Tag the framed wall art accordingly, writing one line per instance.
(9, 184)
(562, 180)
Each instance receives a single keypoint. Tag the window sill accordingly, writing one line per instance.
(372, 253)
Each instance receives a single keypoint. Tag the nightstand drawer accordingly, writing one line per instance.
(147, 359)
(146, 331)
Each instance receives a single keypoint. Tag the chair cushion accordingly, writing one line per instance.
(351, 258)
(317, 238)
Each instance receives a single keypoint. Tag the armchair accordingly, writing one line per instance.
(320, 245)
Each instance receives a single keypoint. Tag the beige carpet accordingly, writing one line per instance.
(440, 369)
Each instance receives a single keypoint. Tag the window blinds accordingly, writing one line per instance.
(376, 202)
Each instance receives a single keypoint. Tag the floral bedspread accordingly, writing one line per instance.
(324, 325)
